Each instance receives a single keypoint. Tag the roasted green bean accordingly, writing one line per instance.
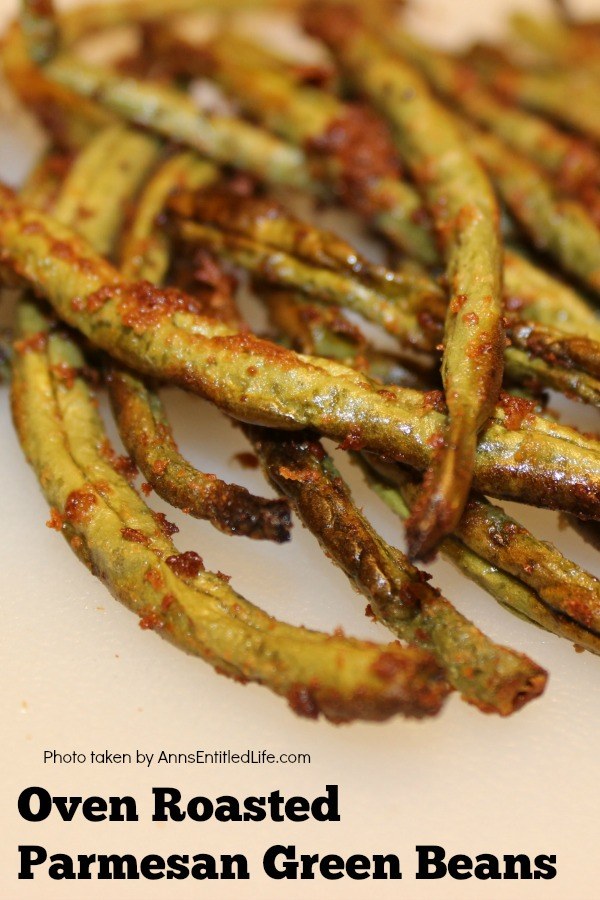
(556, 225)
(115, 534)
(491, 677)
(347, 145)
(259, 235)
(571, 161)
(172, 114)
(156, 332)
(140, 416)
(529, 577)
(465, 216)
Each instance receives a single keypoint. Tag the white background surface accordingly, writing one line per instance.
(80, 675)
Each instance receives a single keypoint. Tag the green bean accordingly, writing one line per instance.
(322, 331)
(120, 160)
(40, 29)
(482, 528)
(523, 369)
(63, 437)
(533, 294)
(572, 162)
(531, 578)
(141, 419)
(232, 141)
(153, 331)
(397, 208)
(545, 342)
(71, 120)
(348, 146)
(172, 114)
(558, 226)
(145, 248)
(555, 43)
(111, 530)
(147, 436)
(488, 676)
(465, 217)
(105, 165)
(570, 98)
(260, 236)
(317, 330)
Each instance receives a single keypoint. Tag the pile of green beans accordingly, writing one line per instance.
(135, 229)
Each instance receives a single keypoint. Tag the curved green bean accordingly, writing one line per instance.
(465, 216)
(157, 332)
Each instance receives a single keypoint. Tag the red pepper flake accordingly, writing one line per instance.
(80, 504)
(167, 528)
(55, 521)
(65, 374)
(471, 318)
(247, 460)
(516, 410)
(167, 601)
(146, 489)
(369, 612)
(436, 440)
(352, 441)
(434, 400)
(302, 701)
(159, 466)
(154, 578)
(186, 565)
(36, 342)
(457, 303)
(316, 449)
(224, 577)
(123, 465)
(132, 534)
(151, 622)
